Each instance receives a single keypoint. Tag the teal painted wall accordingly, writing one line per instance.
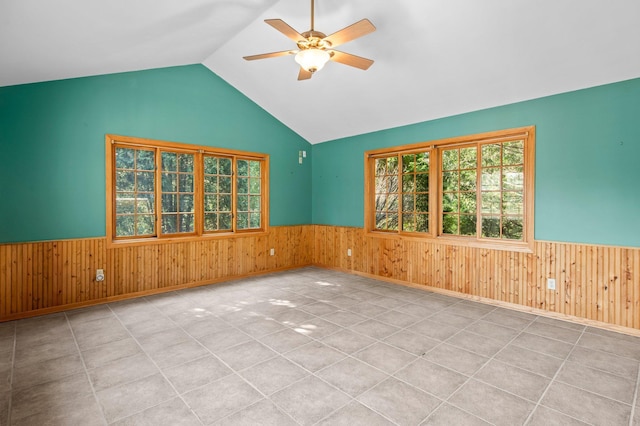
(52, 149)
(587, 186)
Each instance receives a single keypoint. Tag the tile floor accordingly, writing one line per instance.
(308, 347)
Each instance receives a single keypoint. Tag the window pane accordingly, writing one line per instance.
(491, 155)
(408, 183)
(450, 202)
(450, 159)
(512, 203)
(185, 183)
(186, 203)
(225, 185)
(145, 203)
(125, 181)
(422, 223)
(422, 182)
(468, 202)
(186, 222)
(125, 202)
(211, 222)
(210, 165)
(243, 186)
(491, 179)
(512, 228)
(210, 184)
(408, 222)
(408, 204)
(254, 186)
(242, 220)
(254, 220)
(392, 221)
(450, 224)
(392, 165)
(125, 226)
(450, 181)
(491, 202)
(185, 163)
(124, 158)
(169, 223)
(224, 167)
(169, 203)
(468, 180)
(491, 226)
(145, 181)
(169, 162)
(145, 225)
(254, 168)
(254, 203)
(210, 203)
(513, 153)
(169, 182)
(422, 203)
(224, 203)
(513, 178)
(243, 203)
(408, 163)
(225, 221)
(145, 160)
(243, 168)
(468, 224)
(468, 158)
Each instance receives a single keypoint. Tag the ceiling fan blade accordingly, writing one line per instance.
(304, 74)
(352, 32)
(270, 55)
(351, 60)
(285, 29)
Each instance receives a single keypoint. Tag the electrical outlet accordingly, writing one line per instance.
(272, 252)
(100, 275)
(349, 252)
(551, 284)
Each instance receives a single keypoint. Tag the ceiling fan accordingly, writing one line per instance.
(316, 48)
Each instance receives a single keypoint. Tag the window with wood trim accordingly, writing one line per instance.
(474, 190)
(159, 189)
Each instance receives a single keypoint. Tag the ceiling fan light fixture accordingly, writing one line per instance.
(312, 59)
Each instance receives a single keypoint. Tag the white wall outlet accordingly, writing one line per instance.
(100, 275)
(272, 252)
(551, 283)
(304, 154)
(349, 252)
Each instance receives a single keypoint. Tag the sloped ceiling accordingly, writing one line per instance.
(433, 58)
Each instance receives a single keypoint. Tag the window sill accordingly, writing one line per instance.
(166, 240)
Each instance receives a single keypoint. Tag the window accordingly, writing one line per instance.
(161, 190)
(474, 190)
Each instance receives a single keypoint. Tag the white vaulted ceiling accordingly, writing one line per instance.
(433, 58)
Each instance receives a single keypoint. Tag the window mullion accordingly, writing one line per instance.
(234, 192)
(158, 191)
(400, 194)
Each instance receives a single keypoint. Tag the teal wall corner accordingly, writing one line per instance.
(587, 154)
(52, 144)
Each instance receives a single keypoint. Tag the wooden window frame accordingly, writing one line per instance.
(527, 134)
(199, 152)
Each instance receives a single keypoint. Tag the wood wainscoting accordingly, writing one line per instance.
(43, 277)
(593, 283)
(599, 283)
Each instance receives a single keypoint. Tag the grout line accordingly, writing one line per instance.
(157, 367)
(13, 365)
(635, 397)
(553, 380)
(86, 370)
